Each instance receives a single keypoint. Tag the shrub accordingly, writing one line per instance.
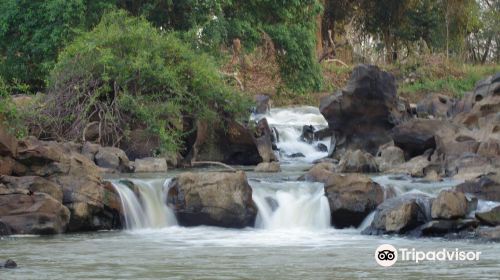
(124, 74)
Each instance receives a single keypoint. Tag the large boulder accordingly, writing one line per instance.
(320, 172)
(416, 136)
(435, 106)
(401, 214)
(389, 157)
(262, 104)
(216, 199)
(112, 158)
(236, 143)
(150, 165)
(364, 112)
(358, 162)
(415, 167)
(449, 204)
(37, 213)
(484, 187)
(352, 197)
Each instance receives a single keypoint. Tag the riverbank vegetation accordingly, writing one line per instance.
(115, 66)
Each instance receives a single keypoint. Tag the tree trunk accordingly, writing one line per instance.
(487, 50)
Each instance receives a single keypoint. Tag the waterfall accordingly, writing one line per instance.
(147, 208)
(289, 122)
(291, 205)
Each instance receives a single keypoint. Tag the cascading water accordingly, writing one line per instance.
(291, 205)
(147, 208)
(289, 123)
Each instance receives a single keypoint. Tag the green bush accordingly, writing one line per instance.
(9, 115)
(126, 73)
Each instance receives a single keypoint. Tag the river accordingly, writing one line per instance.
(292, 238)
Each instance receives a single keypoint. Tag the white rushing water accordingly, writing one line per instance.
(291, 205)
(147, 208)
(289, 122)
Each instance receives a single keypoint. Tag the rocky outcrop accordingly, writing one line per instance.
(150, 165)
(364, 112)
(216, 199)
(8, 143)
(358, 162)
(36, 213)
(268, 167)
(401, 214)
(57, 176)
(351, 197)
(320, 172)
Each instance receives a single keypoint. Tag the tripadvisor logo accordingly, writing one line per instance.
(388, 255)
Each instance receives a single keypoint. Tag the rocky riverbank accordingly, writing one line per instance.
(51, 187)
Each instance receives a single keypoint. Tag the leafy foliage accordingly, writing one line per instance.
(125, 73)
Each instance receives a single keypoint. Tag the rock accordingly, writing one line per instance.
(33, 214)
(112, 158)
(449, 204)
(490, 234)
(296, 155)
(89, 150)
(307, 134)
(216, 199)
(484, 187)
(4, 229)
(319, 172)
(321, 147)
(442, 227)
(435, 106)
(351, 197)
(389, 157)
(469, 166)
(35, 184)
(358, 161)
(268, 167)
(400, 214)
(8, 143)
(416, 167)
(9, 264)
(322, 134)
(263, 140)
(150, 165)
(263, 104)
(490, 218)
(419, 135)
(6, 165)
(365, 111)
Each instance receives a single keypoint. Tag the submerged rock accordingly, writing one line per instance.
(490, 234)
(351, 197)
(8, 264)
(444, 227)
(209, 198)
